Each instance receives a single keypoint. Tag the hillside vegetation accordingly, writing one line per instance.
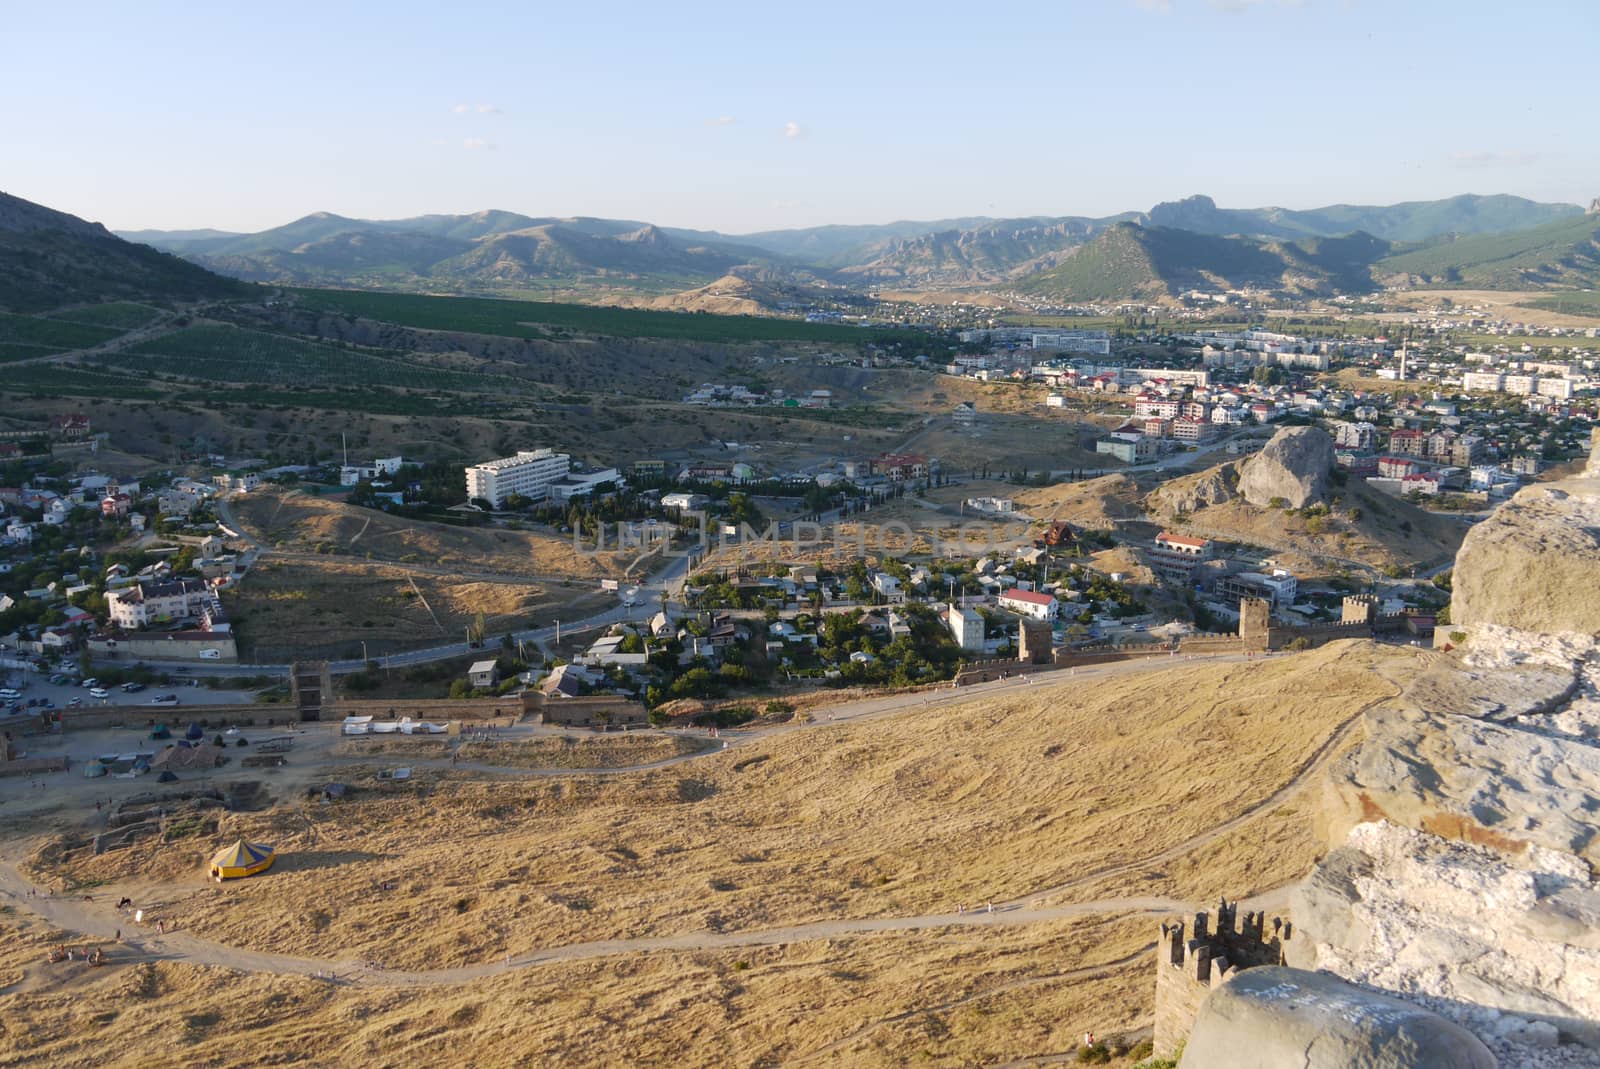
(1563, 253)
(49, 259)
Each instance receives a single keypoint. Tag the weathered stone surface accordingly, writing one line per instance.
(1504, 786)
(1274, 1017)
(1215, 486)
(1293, 466)
(1534, 564)
(1410, 912)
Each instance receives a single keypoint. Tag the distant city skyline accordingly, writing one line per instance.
(735, 118)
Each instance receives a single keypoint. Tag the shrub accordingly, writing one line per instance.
(1278, 503)
(1099, 1054)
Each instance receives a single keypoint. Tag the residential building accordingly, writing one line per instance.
(888, 588)
(1466, 451)
(684, 501)
(483, 675)
(1425, 483)
(1176, 556)
(528, 474)
(1146, 407)
(1410, 443)
(1558, 388)
(1526, 464)
(1192, 429)
(900, 467)
(116, 505)
(1279, 588)
(1029, 603)
(1522, 385)
(350, 474)
(1397, 467)
(1135, 451)
(18, 531)
(1362, 436)
(1483, 381)
(147, 603)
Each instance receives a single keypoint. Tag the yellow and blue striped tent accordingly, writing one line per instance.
(241, 859)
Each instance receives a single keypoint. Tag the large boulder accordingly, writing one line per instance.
(1272, 1017)
(1532, 564)
(1215, 486)
(1294, 466)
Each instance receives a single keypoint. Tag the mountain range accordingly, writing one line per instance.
(1191, 243)
(49, 258)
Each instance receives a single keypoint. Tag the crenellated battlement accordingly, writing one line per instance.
(1188, 968)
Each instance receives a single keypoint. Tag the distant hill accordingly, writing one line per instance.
(484, 251)
(49, 258)
(1565, 253)
(1132, 261)
(1410, 221)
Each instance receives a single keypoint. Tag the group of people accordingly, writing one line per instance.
(62, 952)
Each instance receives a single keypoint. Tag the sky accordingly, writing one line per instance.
(752, 116)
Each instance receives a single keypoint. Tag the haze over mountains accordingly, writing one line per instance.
(1488, 242)
(1191, 243)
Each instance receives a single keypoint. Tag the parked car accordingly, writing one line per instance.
(164, 699)
(7, 692)
(91, 682)
(211, 655)
(132, 688)
(75, 702)
(99, 692)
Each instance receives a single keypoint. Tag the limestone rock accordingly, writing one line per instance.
(1273, 1017)
(1293, 466)
(1215, 486)
(1500, 785)
(1465, 926)
(1532, 564)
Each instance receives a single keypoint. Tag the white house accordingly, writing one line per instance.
(888, 588)
(18, 531)
(686, 501)
(1029, 603)
(350, 474)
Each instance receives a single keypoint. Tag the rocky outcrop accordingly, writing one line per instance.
(1273, 1017)
(1508, 947)
(1293, 467)
(1466, 826)
(1533, 564)
(1214, 486)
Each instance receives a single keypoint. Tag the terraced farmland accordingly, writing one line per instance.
(526, 319)
(53, 335)
(124, 315)
(231, 354)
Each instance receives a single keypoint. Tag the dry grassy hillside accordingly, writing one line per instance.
(1364, 524)
(291, 521)
(1162, 782)
(304, 608)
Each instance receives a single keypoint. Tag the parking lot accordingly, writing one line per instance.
(36, 685)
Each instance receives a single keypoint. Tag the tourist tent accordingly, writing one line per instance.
(241, 859)
(161, 732)
(93, 769)
(195, 733)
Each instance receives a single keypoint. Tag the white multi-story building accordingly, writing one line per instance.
(144, 604)
(1484, 381)
(1560, 389)
(529, 474)
(1359, 436)
(1520, 384)
(966, 627)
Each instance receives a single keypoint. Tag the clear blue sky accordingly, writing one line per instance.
(752, 115)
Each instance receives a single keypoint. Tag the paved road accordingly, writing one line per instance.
(97, 920)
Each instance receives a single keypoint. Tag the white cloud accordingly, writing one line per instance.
(1160, 7)
(721, 120)
(481, 109)
(461, 109)
(792, 130)
(488, 109)
(1471, 160)
(476, 143)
